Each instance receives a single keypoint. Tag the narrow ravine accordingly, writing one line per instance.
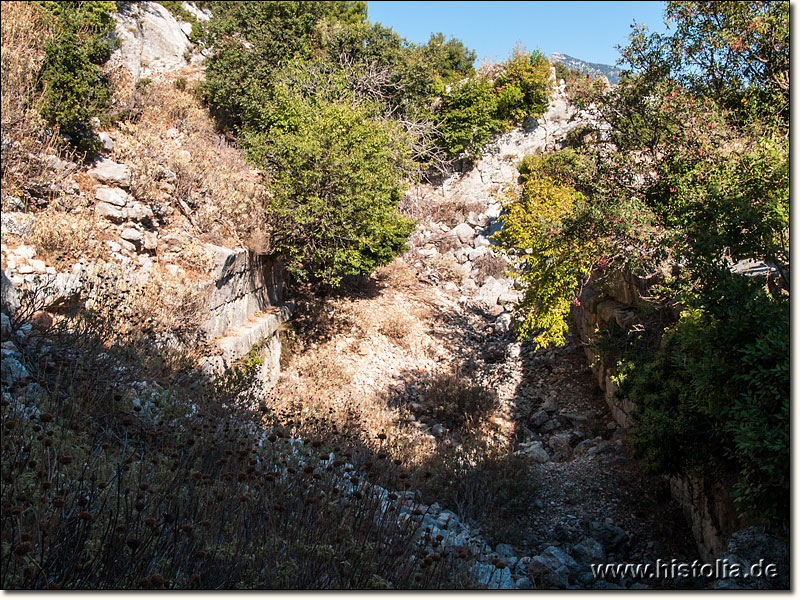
(443, 313)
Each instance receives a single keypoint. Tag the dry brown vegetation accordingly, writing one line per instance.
(63, 237)
(447, 268)
(430, 207)
(455, 400)
(489, 266)
(28, 146)
(396, 275)
(108, 484)
(177, 156)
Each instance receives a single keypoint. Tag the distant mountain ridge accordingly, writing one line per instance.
(594, 69)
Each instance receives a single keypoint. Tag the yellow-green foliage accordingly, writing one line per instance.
(550, 269)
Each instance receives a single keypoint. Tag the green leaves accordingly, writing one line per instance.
(335, 170)
(550, 269)
(75, 89)
(475, 108)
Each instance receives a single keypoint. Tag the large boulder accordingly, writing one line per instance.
(763, 559)
(464, 233)
(150, 40)
(491, 290)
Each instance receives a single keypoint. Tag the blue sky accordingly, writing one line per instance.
(585, 30)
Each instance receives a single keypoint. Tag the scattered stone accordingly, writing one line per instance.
(108, 211)
(481, 241)
(13, 371)
(114, 196)
(16, 223)
(502, 323)
(463, 232)
(150, 241)
(562, 443)
(107, 141)
(111, 173)
(535, 451)
(589, 551)
(132, 235)
(524, 583)
(493, 578)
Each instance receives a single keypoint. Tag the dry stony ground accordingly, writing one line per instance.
(370, 351)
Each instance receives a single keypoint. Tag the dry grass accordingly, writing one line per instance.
(193, 168)
(429, 206)
(63, 238)
(189, 491)
(455, 400)
(396, 325)
(489, 266)
(396, 275)
(447, 268)
(27, 142)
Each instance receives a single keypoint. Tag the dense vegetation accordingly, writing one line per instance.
(75, 89)
(339, 112)
(684, 174)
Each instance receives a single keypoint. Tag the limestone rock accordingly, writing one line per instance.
(502, 323)
(589, 551)
(114, 196)
(464, 233)
(535, 451)
(491, 290)
(150, 40)
(132, 235)
(13, 371)
(561, 442)
(16, 223)
(108, 211)
(492, 577)
(137, 211)
(107, 141)
(10, 298)
(111, 173)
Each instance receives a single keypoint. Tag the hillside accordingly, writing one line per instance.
(289, 302)
(593, 69)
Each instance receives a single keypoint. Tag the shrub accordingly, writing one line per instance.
(483, 484)
(27, 142)
(447, 268)
(468, 117)
(75, 90)
(335, 174)
(455, 400)
(486, 266)
(396, 326)
(64, 237)
(523, 86)
(716, 396)
(549, 270)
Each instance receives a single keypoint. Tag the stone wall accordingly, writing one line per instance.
(245, 311)
(707, 504)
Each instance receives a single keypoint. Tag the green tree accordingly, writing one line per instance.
(335, 168)
(75, 89)
(687, 172)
